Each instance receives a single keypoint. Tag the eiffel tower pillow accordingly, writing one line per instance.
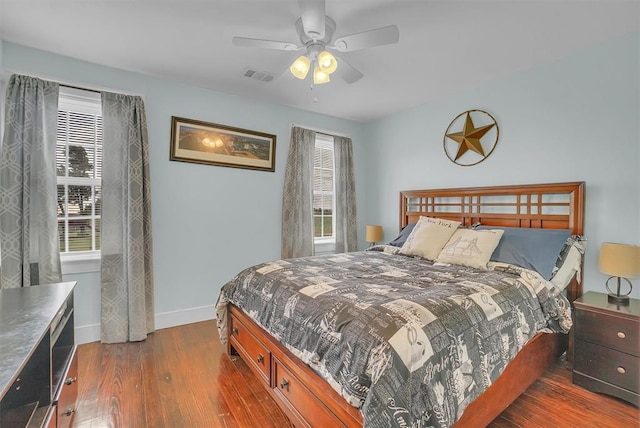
(469, 247)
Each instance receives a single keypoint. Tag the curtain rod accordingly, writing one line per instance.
(80, 88)
(95, 91)
(322, 131)
(7, 72)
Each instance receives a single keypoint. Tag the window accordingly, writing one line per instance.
(323, 194)
(79, 170)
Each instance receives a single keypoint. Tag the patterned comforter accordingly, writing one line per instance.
(409, 342)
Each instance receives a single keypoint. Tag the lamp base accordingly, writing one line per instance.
(618, 300)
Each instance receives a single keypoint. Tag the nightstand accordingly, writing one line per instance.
(607, 346)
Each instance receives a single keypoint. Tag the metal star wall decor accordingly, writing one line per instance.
(468, 144)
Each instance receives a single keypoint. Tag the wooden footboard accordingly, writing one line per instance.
(308, 400)
(541, 351)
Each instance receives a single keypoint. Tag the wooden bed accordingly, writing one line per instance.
(309, 401)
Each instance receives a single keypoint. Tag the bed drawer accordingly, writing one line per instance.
(296, 396)
(253, 352)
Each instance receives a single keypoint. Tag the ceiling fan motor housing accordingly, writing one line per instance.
(330, 28)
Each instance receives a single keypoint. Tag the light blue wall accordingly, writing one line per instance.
(577, 119)
(574, 119)
(208, 222)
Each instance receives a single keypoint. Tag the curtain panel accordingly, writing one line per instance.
(297, 198)
(346, 225)
(29, 241)
(127, 311)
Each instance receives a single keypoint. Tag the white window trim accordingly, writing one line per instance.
(78, 98)
(324, 245)
(79, 261)
(328, 246)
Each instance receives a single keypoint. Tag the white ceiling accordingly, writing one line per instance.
(445, 46)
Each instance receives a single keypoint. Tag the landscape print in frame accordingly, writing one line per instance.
(212, 144)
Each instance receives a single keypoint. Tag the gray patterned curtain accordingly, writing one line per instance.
(346, 227)
(297, 199)
(28, 198)
(127, 271)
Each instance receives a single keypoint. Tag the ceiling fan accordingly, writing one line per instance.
(316, 31)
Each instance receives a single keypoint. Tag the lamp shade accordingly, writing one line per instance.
(320, 76)
(620, 260)
(327, 62)
(373, 233)
(300, 67)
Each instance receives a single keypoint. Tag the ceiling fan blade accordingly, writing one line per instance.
(368, 39)
(312, 13)
(265, 44)
(348, 72)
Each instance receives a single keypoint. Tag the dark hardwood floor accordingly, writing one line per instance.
(182, 377)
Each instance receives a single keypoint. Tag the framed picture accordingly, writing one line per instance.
(213, 144)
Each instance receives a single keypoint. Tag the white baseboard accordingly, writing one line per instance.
(87, 333)
(185, 316)
(91, 333)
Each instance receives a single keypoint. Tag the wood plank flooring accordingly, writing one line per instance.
(182, 377)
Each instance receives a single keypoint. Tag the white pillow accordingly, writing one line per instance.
(471, 247)
(428, 237)
(572, 265)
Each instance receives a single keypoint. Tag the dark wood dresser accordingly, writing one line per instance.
(38, 365)
(607, 346)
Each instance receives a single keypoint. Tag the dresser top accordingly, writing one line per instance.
(598, 302)
(25, 315)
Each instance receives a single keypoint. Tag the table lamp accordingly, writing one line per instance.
(373, 234)
(621, 261)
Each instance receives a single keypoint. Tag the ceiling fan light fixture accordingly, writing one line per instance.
(327, 62)
(319, 76)
(300, 67)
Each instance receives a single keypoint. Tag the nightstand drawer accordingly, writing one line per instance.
(608, 365)
(608, 330)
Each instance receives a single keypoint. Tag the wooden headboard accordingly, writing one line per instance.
(543, 206)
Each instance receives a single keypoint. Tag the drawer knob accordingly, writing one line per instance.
(621, 335)
(284, 384)
(70, 380)
(260, 358)
(69, 411)
(621, 370)
(234, 330)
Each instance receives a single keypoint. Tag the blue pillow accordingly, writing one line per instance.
(406, 231)
(404, 234)
(535, 249)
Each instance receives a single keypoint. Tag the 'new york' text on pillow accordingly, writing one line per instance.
(428, 237)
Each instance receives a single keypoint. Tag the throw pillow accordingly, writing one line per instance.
(428, 237)
(471, 248)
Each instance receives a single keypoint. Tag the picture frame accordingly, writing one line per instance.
(207, 143)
